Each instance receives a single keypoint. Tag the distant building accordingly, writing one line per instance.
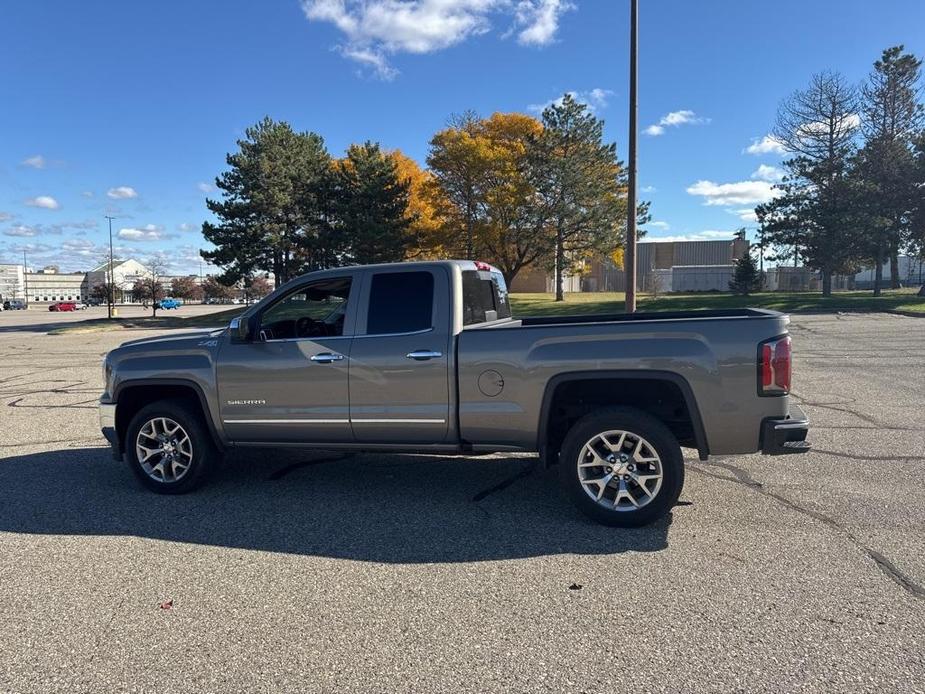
(49, 285)
(656, 262)
(12, 284)
(911, 273)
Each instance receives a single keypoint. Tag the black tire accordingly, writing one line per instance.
(655, 434)
(204, 455)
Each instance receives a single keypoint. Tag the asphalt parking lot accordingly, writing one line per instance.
(302, 571)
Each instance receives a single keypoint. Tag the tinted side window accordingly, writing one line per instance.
(400, 302)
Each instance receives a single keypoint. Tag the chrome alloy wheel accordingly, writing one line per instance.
(164, 450)
(620, 470)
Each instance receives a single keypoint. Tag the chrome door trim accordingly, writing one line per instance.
(413, 332)
(398, 421)
(334, 421)
(286, 421)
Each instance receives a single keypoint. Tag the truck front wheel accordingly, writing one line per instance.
(169, 448)
(621, 467)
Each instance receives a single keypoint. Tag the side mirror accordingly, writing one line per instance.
(238, 329)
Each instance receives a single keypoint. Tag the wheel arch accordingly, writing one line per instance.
(561, 389)
(130, 396)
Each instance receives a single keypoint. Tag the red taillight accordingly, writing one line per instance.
(767, 373)
(774, 366)
(781, 364)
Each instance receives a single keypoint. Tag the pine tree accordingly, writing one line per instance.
(577, 178)
(816, 215)
(273, 211)
(746, 277)
(891, 118)
(371, 206)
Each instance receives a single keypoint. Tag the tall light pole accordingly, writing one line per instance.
(629, 257)
(110, 282)
(25, 280)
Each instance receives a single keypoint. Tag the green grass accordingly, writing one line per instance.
(218, 319)
(526, 305)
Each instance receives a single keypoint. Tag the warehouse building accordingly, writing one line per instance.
(672, 266)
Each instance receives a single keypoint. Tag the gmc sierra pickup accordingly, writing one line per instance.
(426, 357)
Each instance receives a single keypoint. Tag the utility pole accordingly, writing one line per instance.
(25, 280)
(629, 257)
(110, 290)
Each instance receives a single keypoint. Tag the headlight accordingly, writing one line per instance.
(107, 373)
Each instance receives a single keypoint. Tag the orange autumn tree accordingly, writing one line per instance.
(479, 164)
(426, 208)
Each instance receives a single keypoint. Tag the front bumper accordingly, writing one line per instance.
(785, 435)
(108, 427)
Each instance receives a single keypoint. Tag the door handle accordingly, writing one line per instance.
(423, 354)
(327, 357)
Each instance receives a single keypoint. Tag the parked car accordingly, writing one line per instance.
(426, 357)
(14, 305)
(63, 306)
(169, 303)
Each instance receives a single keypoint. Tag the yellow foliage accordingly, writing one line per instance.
(425, 205)
(617, 257)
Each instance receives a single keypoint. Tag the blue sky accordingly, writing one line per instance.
(129, 108)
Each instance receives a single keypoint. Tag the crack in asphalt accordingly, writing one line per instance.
(888, 568)
(885, 458)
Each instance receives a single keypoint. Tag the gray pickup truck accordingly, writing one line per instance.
(426, 357)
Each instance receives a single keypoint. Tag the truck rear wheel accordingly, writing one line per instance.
(621, 467)
(169, 448)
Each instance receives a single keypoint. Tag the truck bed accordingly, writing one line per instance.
(711, 355)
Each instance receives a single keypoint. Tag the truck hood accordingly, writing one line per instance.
(183, 340)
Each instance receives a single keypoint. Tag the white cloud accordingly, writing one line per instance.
(21, 231)
(708, 235)
(648, 189)
(664, 226)
(186, 226)
(5, 216)
(122, 193)
(87, 193)
(79, 246)
(765, 145)
(36, 162)
(149, 232)
(771, 174)
(205, 187)
(673, 120)
(595, 99)
(746, 214)
(44, 201)
(739, 193)
(374, 30)
(539, 20)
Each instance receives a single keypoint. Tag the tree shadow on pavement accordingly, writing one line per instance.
(378, 508)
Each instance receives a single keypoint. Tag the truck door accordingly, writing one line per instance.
(399, 360)
(287, 381)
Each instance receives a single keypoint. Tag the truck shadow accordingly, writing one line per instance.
(377, 508)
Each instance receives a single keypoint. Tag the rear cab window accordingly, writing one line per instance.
(485, 297)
